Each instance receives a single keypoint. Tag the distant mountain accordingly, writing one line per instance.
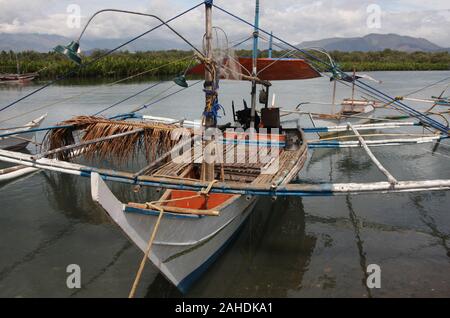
(370, 42)
(30, 41)
(375, 42)
(46, 43)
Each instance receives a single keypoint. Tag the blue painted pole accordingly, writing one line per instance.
(270, 45)
(255, 60)
(255, 35)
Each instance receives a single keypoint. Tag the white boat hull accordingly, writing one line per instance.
(20, 141)
(184, 246)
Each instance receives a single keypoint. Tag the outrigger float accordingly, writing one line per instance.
(212, 174)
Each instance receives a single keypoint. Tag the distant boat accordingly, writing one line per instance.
(352, 111)
(17, 78)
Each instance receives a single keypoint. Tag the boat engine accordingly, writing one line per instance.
(243, 116)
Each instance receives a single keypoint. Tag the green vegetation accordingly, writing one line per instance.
(389, 60)
(117, 65)
(122, 64)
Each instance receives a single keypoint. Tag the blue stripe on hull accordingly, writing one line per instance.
(187, 282)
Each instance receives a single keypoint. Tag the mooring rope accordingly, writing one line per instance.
(155, 205)
(147, 252)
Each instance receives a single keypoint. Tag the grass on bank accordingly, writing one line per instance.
(122, 64)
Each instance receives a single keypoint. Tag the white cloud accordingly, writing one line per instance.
(293, 20)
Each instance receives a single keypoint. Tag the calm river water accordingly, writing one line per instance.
(295, 247)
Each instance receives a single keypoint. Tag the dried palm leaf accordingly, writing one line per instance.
(153, 138)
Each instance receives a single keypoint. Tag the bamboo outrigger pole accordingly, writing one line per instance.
(374, 159)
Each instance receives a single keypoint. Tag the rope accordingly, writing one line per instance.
(128, 98)
(241, 42)
(289, 53)
(154, 205)
(208, 188)
(159, 94)
(212, 105)
(147, 252)
(363, 92)
(428, 86)
(165, 97)
(202, 192)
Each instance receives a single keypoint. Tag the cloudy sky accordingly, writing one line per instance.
(293, 20)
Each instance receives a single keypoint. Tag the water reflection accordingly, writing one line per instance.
(356, 223)
(16, 87)
(352, 164)
(325, 164)
(272, 256)
(268, 259)
(441, 237)
(72, 196)
(318, 155)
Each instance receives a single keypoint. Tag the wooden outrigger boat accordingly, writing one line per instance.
(17, 78)
(352, 111)
(212, 175)
(193, 226)
(197, 225)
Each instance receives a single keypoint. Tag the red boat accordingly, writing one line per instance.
(270, 69)
(17, 78)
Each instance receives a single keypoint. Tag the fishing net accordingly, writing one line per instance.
(224, 56)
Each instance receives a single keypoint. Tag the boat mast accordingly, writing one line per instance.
(254, 68)
(210, 92)
(333, 102)
(17, 64)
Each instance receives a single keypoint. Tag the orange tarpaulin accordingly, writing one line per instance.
(269, 69)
